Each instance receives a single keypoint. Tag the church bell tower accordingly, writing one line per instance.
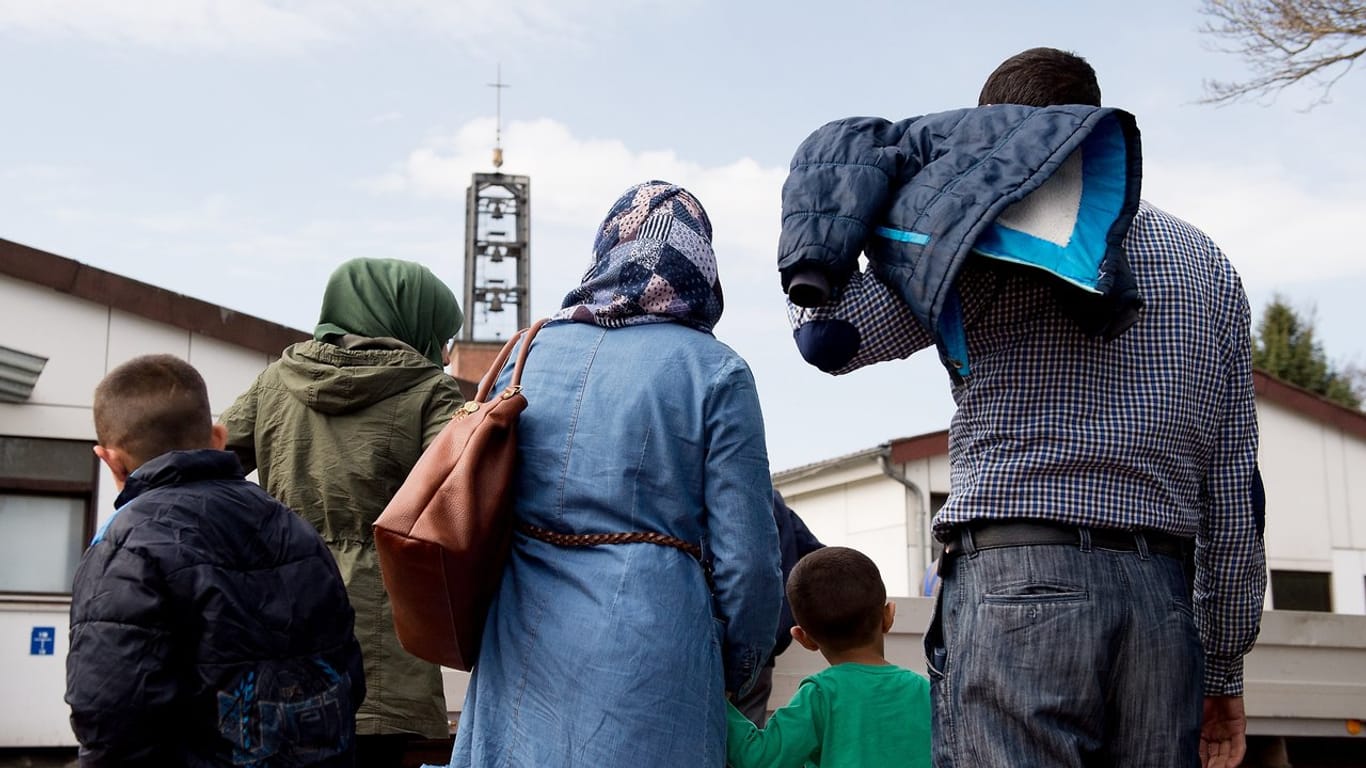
(497, 261)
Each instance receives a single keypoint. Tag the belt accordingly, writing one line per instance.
(997, 535)
(625, 537)
(597, 539)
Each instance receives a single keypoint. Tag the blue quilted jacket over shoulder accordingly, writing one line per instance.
(917, 196)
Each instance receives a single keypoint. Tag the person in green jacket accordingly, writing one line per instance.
(333, 428)
(862, 712)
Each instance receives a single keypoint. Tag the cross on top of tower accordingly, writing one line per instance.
(498, 85)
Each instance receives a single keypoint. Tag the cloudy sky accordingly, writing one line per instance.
(238, 150)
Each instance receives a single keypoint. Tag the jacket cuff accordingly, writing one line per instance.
(818, 257)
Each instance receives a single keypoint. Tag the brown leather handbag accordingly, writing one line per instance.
(443, 539)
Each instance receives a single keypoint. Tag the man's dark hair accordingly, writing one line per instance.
(151, 405)
(837, 597)
(1041, 77)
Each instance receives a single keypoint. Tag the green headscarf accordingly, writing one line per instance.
(387, 297)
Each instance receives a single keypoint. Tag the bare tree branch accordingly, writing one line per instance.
(1285, 42)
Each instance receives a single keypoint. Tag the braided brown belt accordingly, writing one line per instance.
(595, 539)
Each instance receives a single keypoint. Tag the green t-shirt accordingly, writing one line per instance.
(849, 716)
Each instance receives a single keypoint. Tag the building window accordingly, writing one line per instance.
(1301, 591)
(47, 504)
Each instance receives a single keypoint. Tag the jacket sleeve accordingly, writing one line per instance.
(1230, 564)
(741, 536)
(445, 400)
(121, 683)
(865, 323)
(840, 183)
(240, 419)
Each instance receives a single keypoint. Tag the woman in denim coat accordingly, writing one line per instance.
(639, 420)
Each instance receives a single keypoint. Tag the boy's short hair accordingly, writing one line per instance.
(151, 405)
(1042, 77)
(837, 597)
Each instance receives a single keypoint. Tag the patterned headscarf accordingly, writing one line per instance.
(652, 263)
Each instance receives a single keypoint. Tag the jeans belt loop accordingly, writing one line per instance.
(1084, 534)
(965, 539)
(1142, 542)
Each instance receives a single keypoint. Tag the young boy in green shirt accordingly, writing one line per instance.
(863, 710)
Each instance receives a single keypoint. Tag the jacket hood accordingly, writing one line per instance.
(336, 380)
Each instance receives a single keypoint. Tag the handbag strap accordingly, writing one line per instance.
(525, 335)
(596, 539)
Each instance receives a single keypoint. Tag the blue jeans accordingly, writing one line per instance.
(1064, 655)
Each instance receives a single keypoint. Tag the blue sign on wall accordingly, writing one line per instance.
(43, 642)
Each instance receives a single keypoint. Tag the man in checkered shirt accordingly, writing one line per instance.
(1102, 556)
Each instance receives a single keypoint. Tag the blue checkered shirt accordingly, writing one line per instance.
(1155, 430)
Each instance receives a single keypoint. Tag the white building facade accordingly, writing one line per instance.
(880, 501)
(1313, 460)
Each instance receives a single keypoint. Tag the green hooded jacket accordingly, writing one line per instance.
(333, 430)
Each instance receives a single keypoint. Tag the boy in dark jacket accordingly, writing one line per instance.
(209, 623)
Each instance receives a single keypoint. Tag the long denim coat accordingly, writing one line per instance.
(619, 655)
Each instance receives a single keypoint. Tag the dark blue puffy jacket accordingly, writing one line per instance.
(918, 195)
(210, 627)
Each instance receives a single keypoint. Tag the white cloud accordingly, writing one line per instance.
(1273, 226)
(225, 250)
(573, 182)
(220, 25)
(271, 264)
(575, 179)
(284, 26)
(271, 268)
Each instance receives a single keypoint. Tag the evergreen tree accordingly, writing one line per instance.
(1284, 346)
